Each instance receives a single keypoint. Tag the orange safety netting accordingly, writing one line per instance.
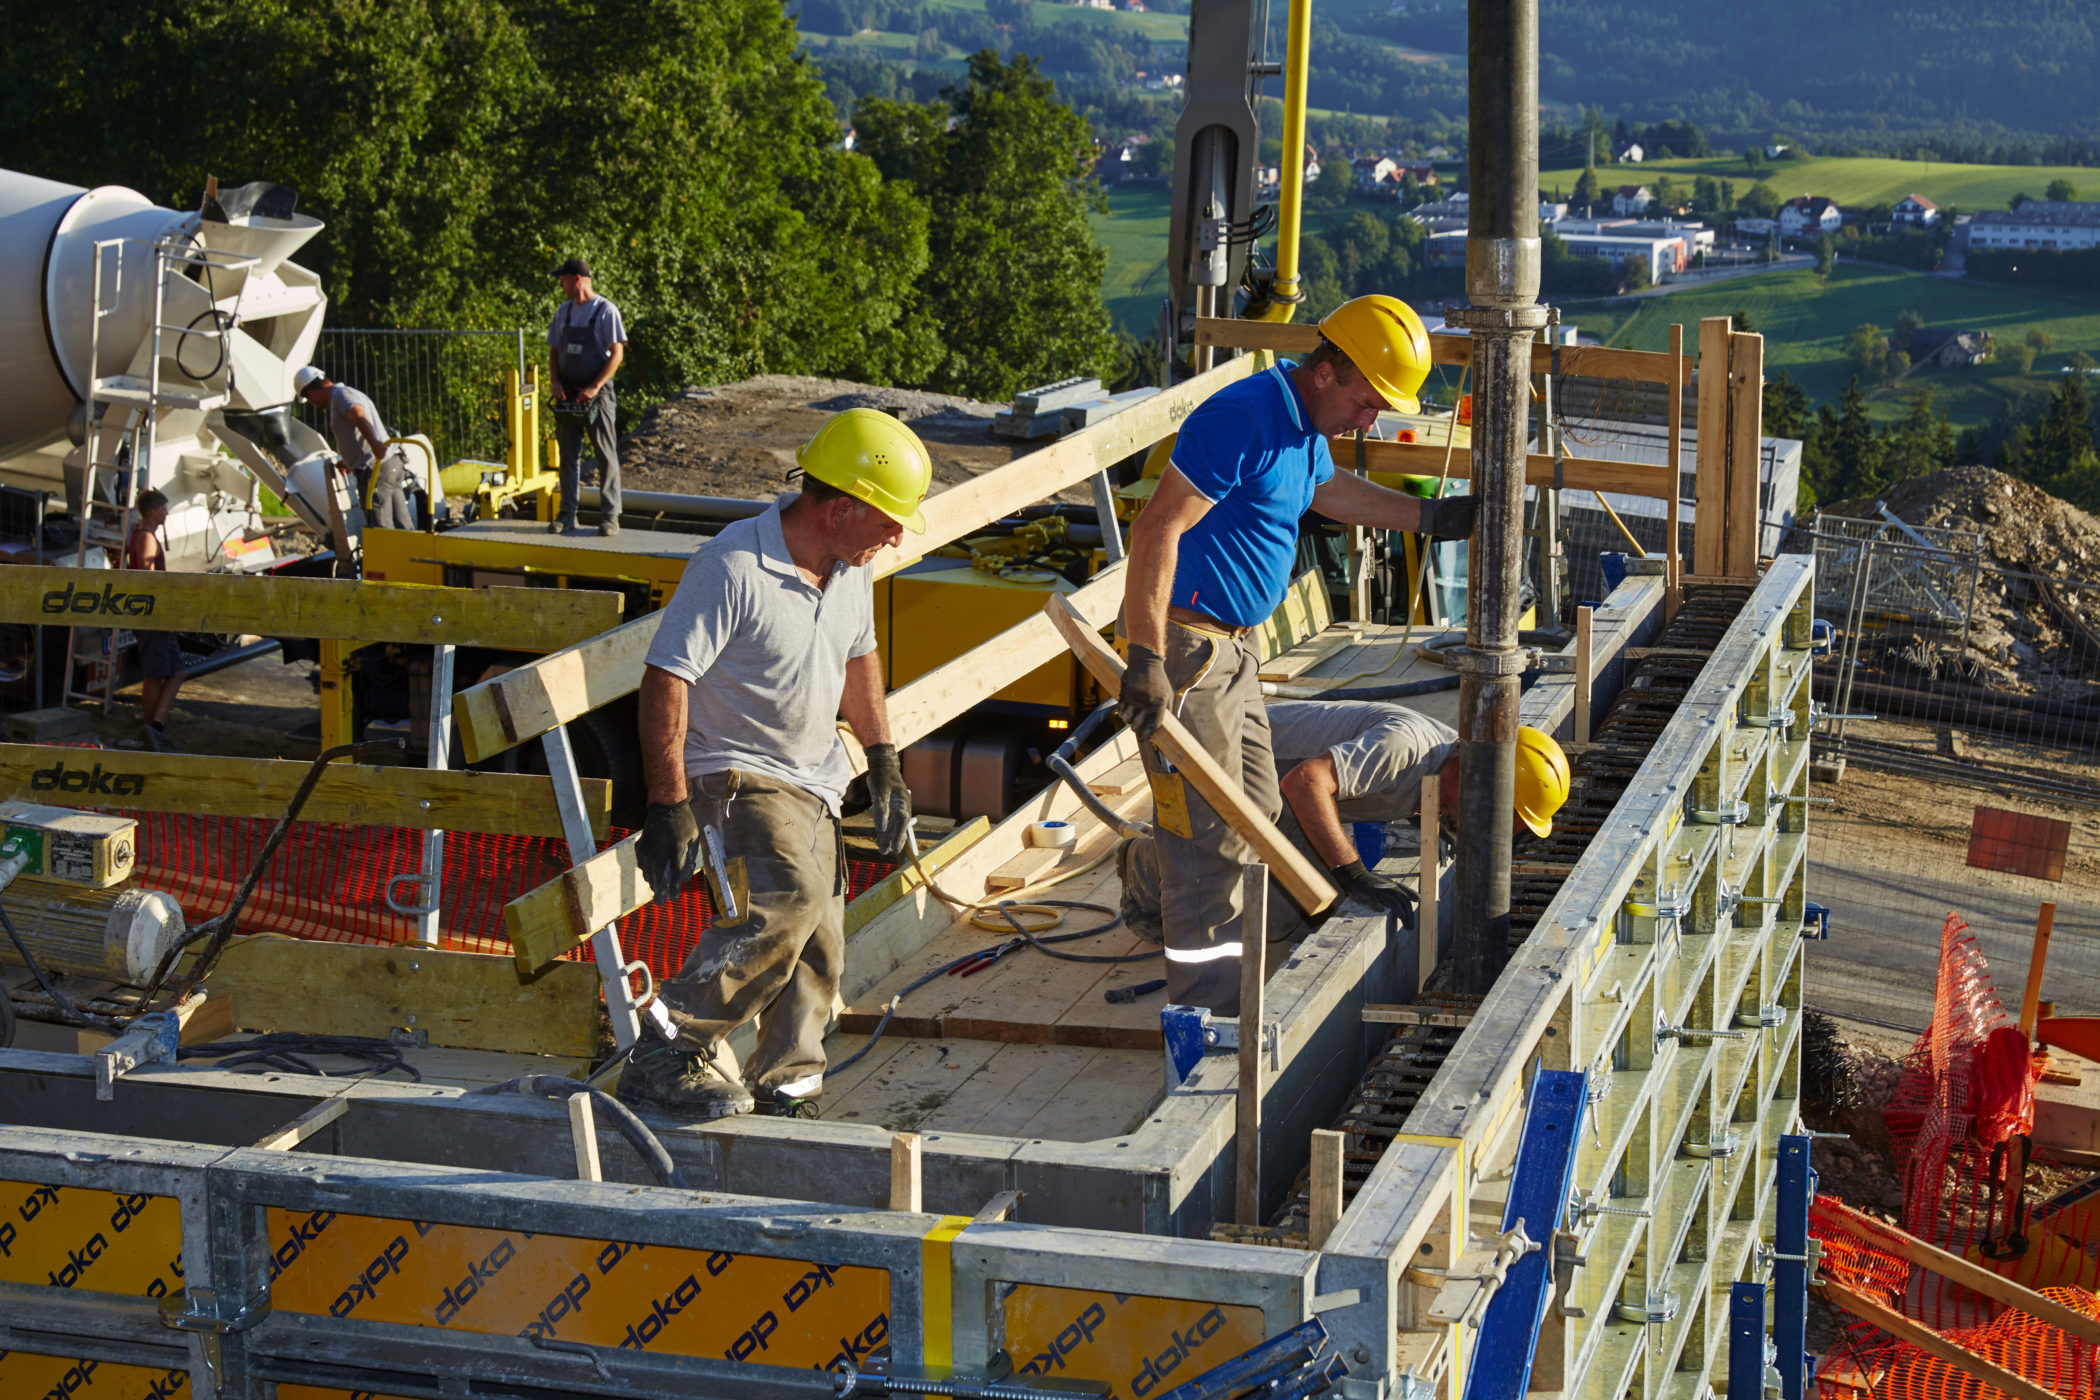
(329, 882)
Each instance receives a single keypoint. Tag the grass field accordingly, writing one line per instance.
(1805, 321)
(1854, 181)
(1134, 230)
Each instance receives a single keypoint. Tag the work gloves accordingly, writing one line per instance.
(1450, 518)
(1146, 693)
(668, 852)
(891, 800)
(1369, 890)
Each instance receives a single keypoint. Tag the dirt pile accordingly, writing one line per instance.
(740, 439)
(2024, 528)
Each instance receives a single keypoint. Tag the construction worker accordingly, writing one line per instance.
(161, 667)
(1210, 558)
(768, 641)
(1345, 762)
(586, 343)
(361, 441)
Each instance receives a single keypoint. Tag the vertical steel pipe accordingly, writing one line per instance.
(1290, 169)
(1502, 282)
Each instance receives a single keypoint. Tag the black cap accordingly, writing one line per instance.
(574, 265)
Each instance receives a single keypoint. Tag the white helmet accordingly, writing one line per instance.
(306, 378)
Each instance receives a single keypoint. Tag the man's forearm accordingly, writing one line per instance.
(612, 367)
(863, 704)
(1352, 500)
(663, 716)
(1153, 554)
(1311, 789)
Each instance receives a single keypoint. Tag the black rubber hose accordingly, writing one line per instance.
(1400, 690)
(646, 1144)
(1060, 763)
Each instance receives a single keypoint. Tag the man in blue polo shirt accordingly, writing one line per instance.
(1210, 558)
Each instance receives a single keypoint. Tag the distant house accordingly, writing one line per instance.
(1628, 200)
(1369, 172)
(1628, 154)
(1775, 152)
(1437, 153)
(1759, 227)
(1948, 349)
(2037, 223)
(1914, 211)
(1118, 164)
(1805, 216)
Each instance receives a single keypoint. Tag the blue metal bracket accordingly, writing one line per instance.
(1816, 916)
(1291, 1361)
(1190, 1034)
(1749, 1349)
(1538, 1196)
(1797, 1187)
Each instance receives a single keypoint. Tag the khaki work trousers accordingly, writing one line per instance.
(782, 957)
(1217, 694)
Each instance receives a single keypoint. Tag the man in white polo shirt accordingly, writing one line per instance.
(768, 642)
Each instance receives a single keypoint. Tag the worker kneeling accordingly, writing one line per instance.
(768, 641)
(1358, 761)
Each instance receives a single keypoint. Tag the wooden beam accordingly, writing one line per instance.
(1580, 473)
(1377, 1015)
(2037, 961)
(1673, 568)
(305, 1125)
(1307, 883)
(1298, 338)
(517, 804)
(583, 1136)
(527, 702)
(1710, 498)
(1585, 672)
(1746, 419)
(1326, 1182)
(1931, 1342)
(515, 619)
(1428, 878)
(1955, 1269)
(473, 1001)
(1246, 1130)
(906, 1183)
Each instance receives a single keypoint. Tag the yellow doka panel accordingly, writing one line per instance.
(937, 616)
(1142, 1347)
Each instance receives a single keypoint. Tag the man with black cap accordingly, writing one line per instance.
(585, 345)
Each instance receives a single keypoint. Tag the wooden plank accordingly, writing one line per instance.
(1710, 494)
(2037, 961)
(1121, 1089)
(1380, 1015)
(1579, 473)
(518, 804)
(1585, 673)
(527, 702)
(1293, 664)
(1246, 1127)
(1428, 877)
(1955, 1269)
(1298, 338)
(1014, 1085)
(1306, 882)
(1121, 780)
(514, 619)
(1326, 1182)
(1931, 1342)
(469, 1000)
(583, 1135)
(1746, 418)
(305, 1125)
(1024, 869)
(1673, 567)
(1303, 614)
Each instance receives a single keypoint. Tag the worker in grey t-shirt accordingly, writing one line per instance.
(768, 642)
(586, 343)
(361, 441)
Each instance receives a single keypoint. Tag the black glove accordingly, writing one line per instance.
(891, 800)
(1146, 693)
(1374, 891)
(1450, 518)
(669, 849)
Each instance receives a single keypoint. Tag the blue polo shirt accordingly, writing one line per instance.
(1253, 453)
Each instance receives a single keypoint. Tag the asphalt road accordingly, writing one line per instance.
(1882, 957)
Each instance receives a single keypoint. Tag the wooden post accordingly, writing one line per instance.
(905, 1184)
(1326, 1211)
(1254, 938)
(1710, 493)
(1746, 420)
(583, 1131)
(1432, 864)
(2031, 999)
(1585, 677)
(1673, 568)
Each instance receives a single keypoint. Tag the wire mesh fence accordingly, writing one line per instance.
(1961, 747)
(444, 383)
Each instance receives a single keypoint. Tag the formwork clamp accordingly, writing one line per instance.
(1815, 916)
(1191, 1032)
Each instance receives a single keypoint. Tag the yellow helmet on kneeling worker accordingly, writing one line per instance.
(1542, 779)
(1388, 344)
(873, 458)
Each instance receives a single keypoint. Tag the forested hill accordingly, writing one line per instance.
(1896, 65)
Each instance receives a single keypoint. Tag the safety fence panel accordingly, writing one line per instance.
(445, 383)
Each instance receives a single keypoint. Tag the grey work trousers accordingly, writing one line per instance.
(391, 508)
(1287, 922)
(782, 957)
(602, 424)
(1217, 694)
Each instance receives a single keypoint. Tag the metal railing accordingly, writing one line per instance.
(444, 383)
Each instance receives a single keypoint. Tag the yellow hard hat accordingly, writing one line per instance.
(1387, 342)
(1542, 779)
(873, 458)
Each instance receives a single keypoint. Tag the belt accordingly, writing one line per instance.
(1202, 622)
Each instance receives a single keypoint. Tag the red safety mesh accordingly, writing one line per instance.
(329, 882)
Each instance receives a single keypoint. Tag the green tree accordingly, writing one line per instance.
(1760, 202)
(1867, 349)
(1015, 279)
(1634, 275)
(1586, 188)
(1856, 460)
(1706, 195)
(2017, 354)
(1826, 255)
(1786, 408)
(1740, 319)
(2039, 339)
(2017, 200)
(1922, 443)
(2066, 430)
(2061, 191)
(1908, 323)
(1330, 188)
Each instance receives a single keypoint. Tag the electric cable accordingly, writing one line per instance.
(646, 1144)
(286, 1052)
(65, 1004)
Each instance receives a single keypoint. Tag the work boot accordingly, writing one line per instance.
(1140, 918)
(680, 1083)
(609, 528)
(774, 1104)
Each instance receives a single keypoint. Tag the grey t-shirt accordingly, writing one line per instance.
(1381, 752)
(765, 655)
(582, 335)
(350, 444)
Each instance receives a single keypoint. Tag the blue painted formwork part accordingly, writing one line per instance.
(1538, 1195)
(1746, 1341)
(1286, 1362)
(1797, 1187)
